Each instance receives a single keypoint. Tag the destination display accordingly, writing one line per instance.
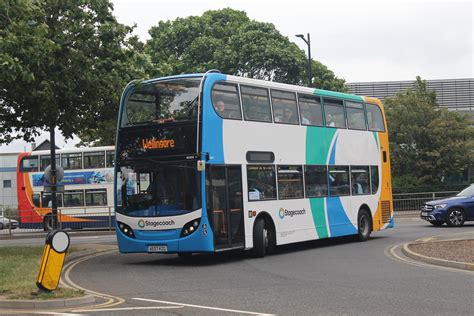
(157, 142)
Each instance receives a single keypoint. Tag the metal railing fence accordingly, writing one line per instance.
(93, 218)
(404, 204)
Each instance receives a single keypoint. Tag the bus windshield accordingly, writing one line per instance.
(162, 101)
(152, 191)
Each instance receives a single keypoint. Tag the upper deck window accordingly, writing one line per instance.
(162, 101)
(284, 107)
(109, 158)
(256, 104)
(225, 98)
(71, 161)
(29, 163)
(355, 115)
(334, 112)
(46, 161)
(310, 110)
(95, 159)
(375, 118)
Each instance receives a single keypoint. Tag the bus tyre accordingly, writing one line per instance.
(260, 238)
(364, 227)
(48, 223)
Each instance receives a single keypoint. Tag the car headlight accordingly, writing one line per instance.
(439, 206)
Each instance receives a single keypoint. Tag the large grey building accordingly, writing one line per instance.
(8, 195)
(453, 94)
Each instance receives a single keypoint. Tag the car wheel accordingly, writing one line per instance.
(260, 238)
(1, 226)
(455, 217)
(364, 227)
(48, 222)
(437, 223)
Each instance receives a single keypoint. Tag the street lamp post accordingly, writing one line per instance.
(308, 42)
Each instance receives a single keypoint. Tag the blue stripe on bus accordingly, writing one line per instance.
(212, 132)
(8, 169)
(332, 158)
(339, 223)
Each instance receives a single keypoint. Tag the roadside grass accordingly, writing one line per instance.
(18, 271)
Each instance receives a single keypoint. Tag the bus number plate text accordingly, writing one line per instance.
(158, 248)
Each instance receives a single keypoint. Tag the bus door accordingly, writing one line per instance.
(224, 205)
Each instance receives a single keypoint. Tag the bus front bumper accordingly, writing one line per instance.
(166, 241)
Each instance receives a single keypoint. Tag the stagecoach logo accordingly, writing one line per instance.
(142, 223)
(284, 212)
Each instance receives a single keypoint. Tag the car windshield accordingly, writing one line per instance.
(467, 192)
(164, 190)
(162, 101)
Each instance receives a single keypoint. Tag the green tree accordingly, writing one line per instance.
(427, 143)
(324, 78)
(64, 64)
(231, 42)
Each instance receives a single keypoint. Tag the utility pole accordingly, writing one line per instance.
(53, 182)
(308, 42)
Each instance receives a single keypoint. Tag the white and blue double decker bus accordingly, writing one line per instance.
(212, 162)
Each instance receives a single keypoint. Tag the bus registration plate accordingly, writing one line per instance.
(158, 248)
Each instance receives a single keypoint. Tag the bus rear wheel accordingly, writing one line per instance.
(364, 227)
(48, 223)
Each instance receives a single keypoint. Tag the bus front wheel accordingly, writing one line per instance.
(261, 238)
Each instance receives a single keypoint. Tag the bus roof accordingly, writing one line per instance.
(73, 150)
(274, 85)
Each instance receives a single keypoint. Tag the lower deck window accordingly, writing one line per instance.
(96, 197)
(339, 180)
(73, 198)
(261, 182)
(360, 180)
(290, 182)
(316, 181)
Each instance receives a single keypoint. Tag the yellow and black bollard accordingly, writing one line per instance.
(57, 243)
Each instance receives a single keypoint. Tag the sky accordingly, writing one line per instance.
(360, 41)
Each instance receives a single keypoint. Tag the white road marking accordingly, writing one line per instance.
(86, 237)
(66, 281)
(203, 307)
(54, 313)
(390, 253)
(124, 309)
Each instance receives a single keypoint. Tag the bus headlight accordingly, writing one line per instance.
(190, 227)
(127, 230)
